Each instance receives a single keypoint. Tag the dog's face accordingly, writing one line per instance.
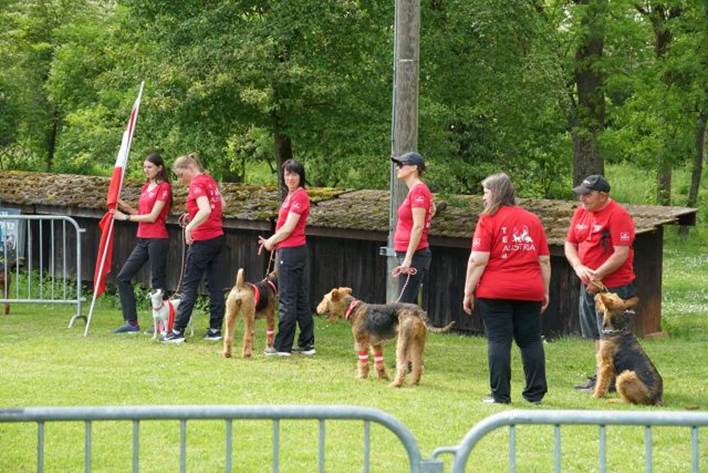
(613, 309)
(333, 304)
(156, 298)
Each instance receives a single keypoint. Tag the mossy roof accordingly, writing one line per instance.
(362, 210)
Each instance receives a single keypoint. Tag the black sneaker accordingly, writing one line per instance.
(589, 385)
(212, 335)
(174, 337)
(307, 351)
(127, 328)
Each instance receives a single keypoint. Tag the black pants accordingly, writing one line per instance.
(293, 302)
(421, 262)
(203, 257)
(504, 319)
(152, 249)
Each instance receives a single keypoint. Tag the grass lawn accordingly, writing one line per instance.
(42, 363)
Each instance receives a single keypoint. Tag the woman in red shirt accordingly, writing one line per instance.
(205, 236)
(411, 236)
(508, 275)
(289, 240)
(151, 214)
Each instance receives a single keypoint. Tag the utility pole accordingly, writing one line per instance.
(404, 116)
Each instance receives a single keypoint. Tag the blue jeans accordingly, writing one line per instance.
(590, 320)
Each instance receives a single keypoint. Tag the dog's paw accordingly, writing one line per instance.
(227, 354)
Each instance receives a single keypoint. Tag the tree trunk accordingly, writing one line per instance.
(283, 152)
(663, 181)
(52, 140)
(697, 167)
(589, 117)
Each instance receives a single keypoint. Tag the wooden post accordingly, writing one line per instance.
(404, 126)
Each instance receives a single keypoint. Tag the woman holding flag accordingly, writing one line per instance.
(151, 214)
(205, 236)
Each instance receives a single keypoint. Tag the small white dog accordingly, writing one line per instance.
(163, 312)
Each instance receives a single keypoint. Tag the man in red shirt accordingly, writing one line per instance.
(599, 248)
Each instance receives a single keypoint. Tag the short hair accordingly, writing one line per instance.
(294, 166)
(183, 162)
(502, 191)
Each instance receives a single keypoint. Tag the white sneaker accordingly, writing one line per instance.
(270, 351)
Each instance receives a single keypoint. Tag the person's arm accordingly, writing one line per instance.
(416, 235)
(613, 263)
(282, 233)
(200, 217)
(571, 254)
(136, 217)
(475, 268)
(545, 262)
(126, 207)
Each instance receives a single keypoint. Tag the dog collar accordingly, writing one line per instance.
(350, 308)
(160, 306)
(611, 333)
(256, 294)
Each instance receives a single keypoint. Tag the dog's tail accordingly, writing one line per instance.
(239, 279)
(440, 329)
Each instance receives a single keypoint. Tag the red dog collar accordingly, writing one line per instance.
(350, 308)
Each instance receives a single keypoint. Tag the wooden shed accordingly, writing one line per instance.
(345, 231)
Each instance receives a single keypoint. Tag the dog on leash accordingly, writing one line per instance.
(253, 300)
(373, 324)
(638, 381)
(163, 312)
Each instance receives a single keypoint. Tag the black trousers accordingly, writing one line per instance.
(294, 306)
(152, 249)
(520, 320)
(421, 262)
(203, 257)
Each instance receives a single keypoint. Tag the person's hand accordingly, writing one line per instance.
(546, 300)
(264, 243)
(593, 287)
(584, 273)
(404, 268)
(118, 215)
(188, 235)
(468, 304)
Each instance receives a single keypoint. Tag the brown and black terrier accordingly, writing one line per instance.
(373, 324)
(253, 300)
(638, 381)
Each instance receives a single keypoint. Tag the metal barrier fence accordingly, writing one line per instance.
(556, 418)
(227, 413)
(43, 246)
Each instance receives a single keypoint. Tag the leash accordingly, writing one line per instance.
(397, 272)
(182, 221)
(270, 263)
(599, 285)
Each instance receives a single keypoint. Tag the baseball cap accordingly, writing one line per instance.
(411, 158)
(596, 182)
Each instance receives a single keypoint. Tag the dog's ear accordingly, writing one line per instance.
(631, 303)
(345, 291)
(335, 295)
(600, 302)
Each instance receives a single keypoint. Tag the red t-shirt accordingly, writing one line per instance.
(597, 233)
(148, 198)
(419, 196)
(205, 185)
(514, 238)
(298, 203)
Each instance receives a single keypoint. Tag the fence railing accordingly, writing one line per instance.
(136, 414)
(40, 261)
(557, 418)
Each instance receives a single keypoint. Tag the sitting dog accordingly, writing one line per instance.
(253, 300)
(638, 381)
(163, 312)
(373, 324)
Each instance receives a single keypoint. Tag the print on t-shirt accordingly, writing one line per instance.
(520, 241)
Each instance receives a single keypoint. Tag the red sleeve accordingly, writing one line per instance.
(483, 235)
(300, 203)
(570, 237)
(198, 189)
(419, 198)
(621, 227)
(164, 193)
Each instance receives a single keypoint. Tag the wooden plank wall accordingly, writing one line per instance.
(356, 263)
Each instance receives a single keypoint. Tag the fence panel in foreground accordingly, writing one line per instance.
(557, 418)
(183, 414)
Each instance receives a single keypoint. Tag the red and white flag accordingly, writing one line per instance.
(104, 258)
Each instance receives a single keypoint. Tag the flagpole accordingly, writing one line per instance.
(108, 247)
(100, 273)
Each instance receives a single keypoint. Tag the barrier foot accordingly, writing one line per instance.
(75, 318)
(431, 466)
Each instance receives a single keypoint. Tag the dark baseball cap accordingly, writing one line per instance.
(596, 182)
(411, 158)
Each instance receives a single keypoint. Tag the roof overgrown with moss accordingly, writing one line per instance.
(364, 210)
